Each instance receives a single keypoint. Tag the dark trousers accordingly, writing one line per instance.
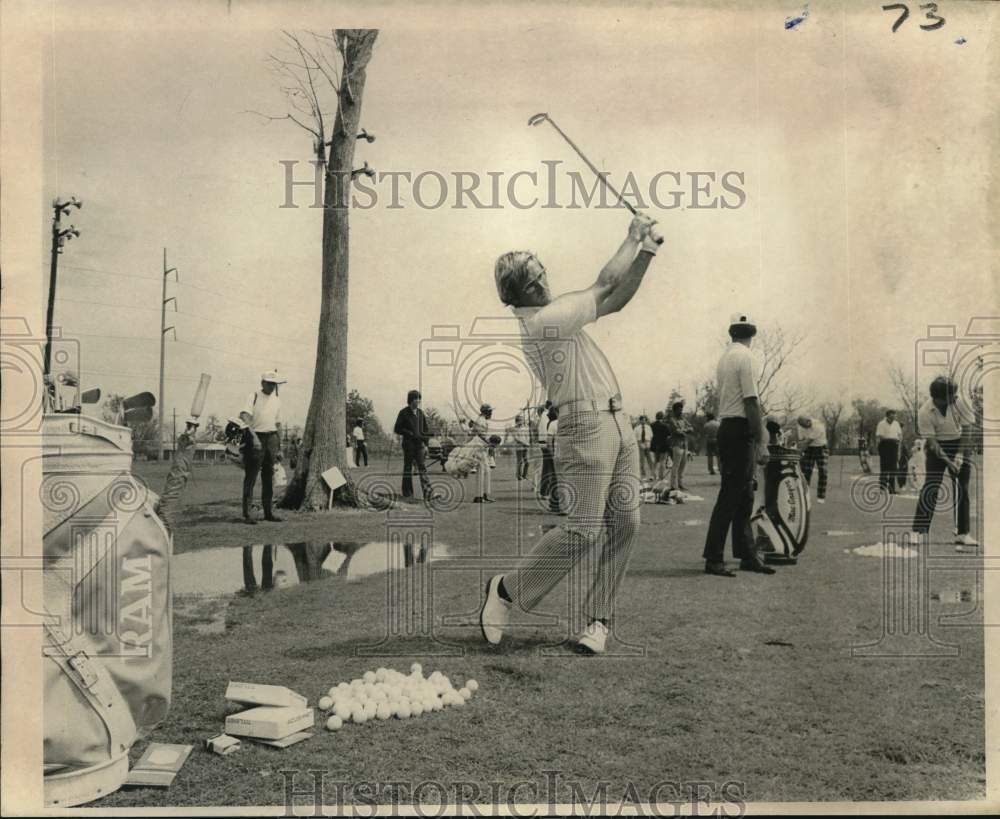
(260, 461)
(734, 505)
(712, 450)
(522, 462)
(888, 463)
(360, 451)
(927, 502)
(413, 456)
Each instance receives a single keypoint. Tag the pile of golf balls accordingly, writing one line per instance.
(386, 693)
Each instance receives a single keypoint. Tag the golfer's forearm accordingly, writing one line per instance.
(619, 264)
(621, 293)
(752, 407)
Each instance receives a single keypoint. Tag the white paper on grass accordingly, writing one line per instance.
(334, 478)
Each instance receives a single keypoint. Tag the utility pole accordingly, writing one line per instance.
(163, 345)
(59, 238)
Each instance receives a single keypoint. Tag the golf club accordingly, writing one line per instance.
(538, 119)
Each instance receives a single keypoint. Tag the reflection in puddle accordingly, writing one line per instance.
(250, 569)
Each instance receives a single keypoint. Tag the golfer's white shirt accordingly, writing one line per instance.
(932, 424)
(359, 434)
(889, 432)
(736, 379)
(813, 435)
(565, 359)
(265, 411)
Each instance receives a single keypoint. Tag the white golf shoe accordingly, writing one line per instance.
(593, 639)
(965, 540)
(495, 613)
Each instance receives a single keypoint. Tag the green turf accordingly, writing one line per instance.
(748, 680)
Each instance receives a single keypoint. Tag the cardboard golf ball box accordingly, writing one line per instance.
(270, 722)
(223, 744)
(244, 693)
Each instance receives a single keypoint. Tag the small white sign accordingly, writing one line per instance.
(334, 478)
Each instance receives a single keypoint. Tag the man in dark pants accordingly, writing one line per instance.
(889, 434)
(262, 415)
(411, 426)
(360, 450)
(947, 447)
(741, 443)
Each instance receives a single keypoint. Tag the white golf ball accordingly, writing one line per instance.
(335, 723)
(380, 674)
(359, 716)
(383, 711)
(368, 677)
(370, 709)
(325, 703)
(472, 685)
(333, 693)
(465, 694)
(438, 705)
(357, 683)
(404, 712)
(343, 686)
(458, 700)
(343, 710)
(416, 668)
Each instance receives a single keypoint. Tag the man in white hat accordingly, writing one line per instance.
(262, 414)
(741, 442)
(597, 458)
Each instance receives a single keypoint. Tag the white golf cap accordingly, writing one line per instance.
(273, 377)
(741, 320)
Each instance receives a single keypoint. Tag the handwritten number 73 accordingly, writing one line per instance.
(930, 10)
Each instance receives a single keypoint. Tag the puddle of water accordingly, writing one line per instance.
(248, 569)
(883, 550)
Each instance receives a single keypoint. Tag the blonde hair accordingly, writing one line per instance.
(510, 272)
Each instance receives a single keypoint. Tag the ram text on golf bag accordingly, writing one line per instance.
(108, 641)
(781, 520)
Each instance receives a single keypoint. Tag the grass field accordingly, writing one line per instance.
(748, 680)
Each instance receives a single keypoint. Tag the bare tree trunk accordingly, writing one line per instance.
(323, 440)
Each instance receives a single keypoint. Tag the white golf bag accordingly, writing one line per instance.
(781, 519)
(470, 455)
(108, 640)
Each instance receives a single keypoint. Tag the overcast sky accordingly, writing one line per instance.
(864, 154)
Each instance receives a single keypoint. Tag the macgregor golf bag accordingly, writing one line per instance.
(463, 459)
(108, 641)
(781, 520)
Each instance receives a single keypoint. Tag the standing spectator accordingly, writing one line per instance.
(889, 435)
(678, 428)
(812, 444)
(946, 446)
(660, 445)
(360, 450)
(741, 443)
(293, 456)
(547, 440)
(520, 437)
(482, 427)
(644, 435)
(711, 440)
(262, 415)
(414, 431)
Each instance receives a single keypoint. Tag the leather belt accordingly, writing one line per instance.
(613, 404)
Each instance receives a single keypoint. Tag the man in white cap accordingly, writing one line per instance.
(741, 443)
(597, 457)
(262, 414)
(483, 427)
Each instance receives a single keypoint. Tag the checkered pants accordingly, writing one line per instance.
(820, 456)
(597, 468)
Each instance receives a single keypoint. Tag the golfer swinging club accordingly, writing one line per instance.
(597, 459)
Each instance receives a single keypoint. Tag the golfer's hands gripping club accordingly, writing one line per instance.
(643, 230)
